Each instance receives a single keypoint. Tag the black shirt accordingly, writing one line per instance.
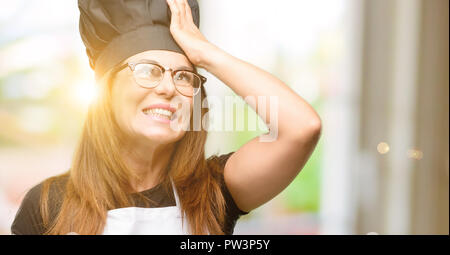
(28, 220)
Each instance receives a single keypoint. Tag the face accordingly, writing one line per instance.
(131, 101)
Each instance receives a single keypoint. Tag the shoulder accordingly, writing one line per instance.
(233, 213)
(28, 219)
(220, 159)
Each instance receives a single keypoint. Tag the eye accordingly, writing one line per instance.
(184, 76)
(155, 71)
(147, 71)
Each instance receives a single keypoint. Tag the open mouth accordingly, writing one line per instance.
(160, 113)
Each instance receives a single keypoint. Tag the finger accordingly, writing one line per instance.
(175, 19)
(188, 12)
(182, 8)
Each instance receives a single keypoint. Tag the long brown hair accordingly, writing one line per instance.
(99, 180)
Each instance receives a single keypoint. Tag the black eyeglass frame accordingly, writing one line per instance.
(132, 66)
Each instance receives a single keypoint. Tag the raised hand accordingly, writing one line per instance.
(186, 33)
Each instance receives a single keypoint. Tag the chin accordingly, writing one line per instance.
(155, 131)
(159, 135)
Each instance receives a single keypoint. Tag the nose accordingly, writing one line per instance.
(166, 87)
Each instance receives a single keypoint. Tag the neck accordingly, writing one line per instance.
(147, 161)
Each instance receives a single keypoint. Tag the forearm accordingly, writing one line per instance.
(296, 118)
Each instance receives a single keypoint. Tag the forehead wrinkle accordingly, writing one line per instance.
(181, 67)
(153, 60)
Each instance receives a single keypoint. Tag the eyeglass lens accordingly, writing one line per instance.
(150, 75)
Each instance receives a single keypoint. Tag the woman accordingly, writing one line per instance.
(133, 172)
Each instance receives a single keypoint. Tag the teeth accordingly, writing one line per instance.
(159, 111)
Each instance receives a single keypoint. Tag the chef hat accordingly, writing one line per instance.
(114, 30)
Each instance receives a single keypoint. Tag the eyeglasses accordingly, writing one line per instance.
(149, 75)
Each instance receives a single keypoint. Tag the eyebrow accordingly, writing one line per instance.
(184, 68)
